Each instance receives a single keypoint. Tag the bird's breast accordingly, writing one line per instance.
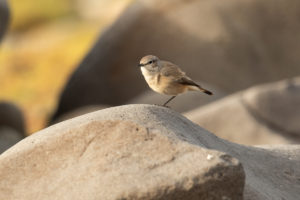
(153, 80)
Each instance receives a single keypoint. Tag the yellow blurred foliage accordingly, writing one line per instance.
(33, 74)
(39, 53)
(26, 13)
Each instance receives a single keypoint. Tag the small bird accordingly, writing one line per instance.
(167, 78)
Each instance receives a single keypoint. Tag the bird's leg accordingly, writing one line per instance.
(165, 104)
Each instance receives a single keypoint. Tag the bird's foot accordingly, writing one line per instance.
(165, 106)
(162, 105)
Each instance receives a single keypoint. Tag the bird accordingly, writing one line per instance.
(167, 78)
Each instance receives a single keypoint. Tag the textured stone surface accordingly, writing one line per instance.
(95, 158)
(271, 172)
(4, 17)
(230, 44)
(266, 114)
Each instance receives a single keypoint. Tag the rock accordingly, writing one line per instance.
(182, 103)
(8, 137)
(266, 114)
(4, 17)
(12, 127)
(97, 158)
(278, 105)
(232, 45)
(11, 116)
(80, 111)
(133, 150)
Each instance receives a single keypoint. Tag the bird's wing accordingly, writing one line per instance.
(187, 81)
(171, 70)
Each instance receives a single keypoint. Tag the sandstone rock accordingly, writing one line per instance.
(230, 44)
(4, 17)
(266, 114)
(95, 158)
(182, 103)
(142, 146)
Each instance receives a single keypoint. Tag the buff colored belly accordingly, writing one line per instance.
(163, 85)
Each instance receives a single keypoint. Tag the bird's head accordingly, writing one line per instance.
(150, 63)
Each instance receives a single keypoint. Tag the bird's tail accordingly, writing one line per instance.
(198, 88)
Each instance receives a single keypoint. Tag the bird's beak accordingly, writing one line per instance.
(140, 65)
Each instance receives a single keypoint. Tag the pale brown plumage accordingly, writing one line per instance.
(167, 78)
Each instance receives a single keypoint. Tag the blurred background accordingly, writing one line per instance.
(46, 40)
(63, 58)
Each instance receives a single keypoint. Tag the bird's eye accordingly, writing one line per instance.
(150, 62)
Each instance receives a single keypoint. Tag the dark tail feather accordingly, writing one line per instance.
(206, 91)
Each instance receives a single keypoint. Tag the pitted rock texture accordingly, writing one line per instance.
(128, 140)
(116, 159)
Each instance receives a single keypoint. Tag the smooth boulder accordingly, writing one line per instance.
(110, 154)
(278, 105)
(73, 158)
(264, 114)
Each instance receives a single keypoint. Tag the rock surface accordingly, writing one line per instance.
(230, 44)
(143, 146)
(266, 114)
(4, 17)
(79, 112)
(111, 156)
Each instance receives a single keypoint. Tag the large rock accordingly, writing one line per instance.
(143, 152)
(266, 114)
(230, 44)
(110, 156)
(4, 17)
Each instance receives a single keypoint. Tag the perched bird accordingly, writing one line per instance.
(166, 78)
